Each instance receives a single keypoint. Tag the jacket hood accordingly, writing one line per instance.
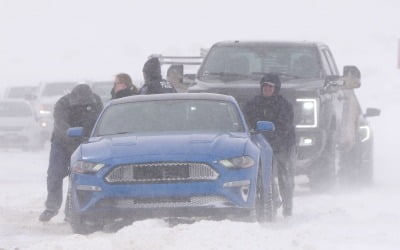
(271, 79)
(81, 95)
(152, 69)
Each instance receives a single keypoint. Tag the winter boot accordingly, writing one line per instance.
(47, 215)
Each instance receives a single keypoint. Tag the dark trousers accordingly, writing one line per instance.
(59, 161)
(283, 168)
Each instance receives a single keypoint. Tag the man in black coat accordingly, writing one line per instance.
(271, 106)
(153, 82)
(80, 108)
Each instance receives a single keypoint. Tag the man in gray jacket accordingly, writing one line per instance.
(80, 108)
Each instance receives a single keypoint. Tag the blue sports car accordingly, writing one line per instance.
(170, 155)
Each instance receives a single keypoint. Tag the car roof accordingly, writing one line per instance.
(269, 42)
(174, 96)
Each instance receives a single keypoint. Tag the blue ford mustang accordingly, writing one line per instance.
(170, 155)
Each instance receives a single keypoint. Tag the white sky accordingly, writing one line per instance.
(96, 39)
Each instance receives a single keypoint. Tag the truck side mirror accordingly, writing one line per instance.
(372, 112)
(351, 77)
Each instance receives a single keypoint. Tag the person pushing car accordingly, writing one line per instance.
(273, 107)
(80, 108)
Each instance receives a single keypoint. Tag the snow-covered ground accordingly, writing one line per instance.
(344, 218)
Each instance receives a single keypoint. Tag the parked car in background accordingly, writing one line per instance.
(170, 155)
(44, 100)
(103, 89)
(19, 91)
(19, 126)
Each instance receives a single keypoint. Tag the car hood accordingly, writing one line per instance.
(298, 84)
(157, 146)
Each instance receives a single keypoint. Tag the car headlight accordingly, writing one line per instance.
(365, 133)
(238, 162)
(307, 113)
(84, 167)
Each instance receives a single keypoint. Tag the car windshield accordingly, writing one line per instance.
(233, 63)
(180, 116)
(20, 92)
(14, 109)
(58, 89)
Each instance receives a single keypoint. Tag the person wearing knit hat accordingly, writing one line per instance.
(273, 107)
(153, 82)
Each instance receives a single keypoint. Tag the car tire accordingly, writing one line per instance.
(78, 224)
(323, 173)
(360, 169)
(264, 205)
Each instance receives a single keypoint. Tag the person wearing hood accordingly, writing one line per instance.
(153, 82)
(80, 108)
(123, 86)
(273, 107)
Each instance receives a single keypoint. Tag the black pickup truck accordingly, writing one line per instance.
(325, 105)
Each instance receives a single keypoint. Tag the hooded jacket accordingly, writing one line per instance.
(153, 82)
(80, 108)
(275, 109)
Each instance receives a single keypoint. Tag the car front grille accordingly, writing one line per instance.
(161, 172)
(195, 201)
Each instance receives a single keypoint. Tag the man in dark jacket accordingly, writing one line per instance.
(153, 82)
(80, 108)
(270, 106)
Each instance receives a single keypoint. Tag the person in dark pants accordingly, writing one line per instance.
(123, 86)
(80, 108)
(271, 106)
(153, 82)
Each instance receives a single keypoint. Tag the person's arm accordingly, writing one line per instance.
(284, 121)
(61, 123)
(250, 113)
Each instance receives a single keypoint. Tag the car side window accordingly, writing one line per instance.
(331, 62)
(325, 64)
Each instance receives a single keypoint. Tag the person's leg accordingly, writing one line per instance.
(275, 191)
(286, 179)
(57, 171)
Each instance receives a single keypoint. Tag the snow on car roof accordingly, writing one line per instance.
(173, 96)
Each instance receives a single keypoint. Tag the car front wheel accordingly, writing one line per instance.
(264, 199)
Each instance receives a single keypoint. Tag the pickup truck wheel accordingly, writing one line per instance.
(323, 173)
(356, 166)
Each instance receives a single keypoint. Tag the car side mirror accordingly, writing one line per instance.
(351, 77)
(265, 126)
(372, 112)
(75, 132)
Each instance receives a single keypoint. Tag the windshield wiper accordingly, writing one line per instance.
(286, 75)
(118, 133)
(226, 76)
